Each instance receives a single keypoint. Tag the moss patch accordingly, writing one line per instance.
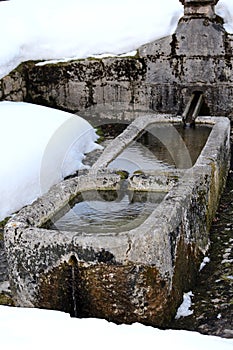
(3, 222)
(6, 300)
(100, 133)
(2, 225)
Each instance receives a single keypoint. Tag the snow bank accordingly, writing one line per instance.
(25, 329)
(75, 28)
(39, 147)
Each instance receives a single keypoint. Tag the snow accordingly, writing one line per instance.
(184, 308)
(28, 329)
(58, 29)
(225, 9)
(76, 28)
(205, 261)
(103, 55)
(40, 146)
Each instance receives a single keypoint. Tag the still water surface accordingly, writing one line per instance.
(108, 211)
(160, 147)
(163, 146)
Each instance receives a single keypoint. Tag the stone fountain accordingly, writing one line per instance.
(140, 274)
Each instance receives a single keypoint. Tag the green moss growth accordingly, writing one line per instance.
(6, 300)
(138, 172)
(24, 66)
(94, 59)
(123, 174)
(100, 133)
(3, 222)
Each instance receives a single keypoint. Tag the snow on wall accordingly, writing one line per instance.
(57, 29)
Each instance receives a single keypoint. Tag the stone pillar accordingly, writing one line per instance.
(196, 8)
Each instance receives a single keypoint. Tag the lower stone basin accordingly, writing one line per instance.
(108, 211)
(132, 275)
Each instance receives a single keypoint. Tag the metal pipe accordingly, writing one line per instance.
(187, 108)
(198, 107)
(192, 108)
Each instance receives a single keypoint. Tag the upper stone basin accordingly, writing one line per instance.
(159, 148)
(132, 275)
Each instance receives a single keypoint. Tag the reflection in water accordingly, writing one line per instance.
(163, 146)
(108, 211)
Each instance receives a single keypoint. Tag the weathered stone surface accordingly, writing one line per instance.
(213, 290)
(157, 182)
(83, 83)
(135, 275)
(13, 86)
(202, 8)
(161, 77)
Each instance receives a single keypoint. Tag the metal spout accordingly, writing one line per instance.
(192, 109)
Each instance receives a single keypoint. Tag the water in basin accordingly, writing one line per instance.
(163, 146)
(108, 211)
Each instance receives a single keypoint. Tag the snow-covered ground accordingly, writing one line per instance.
(57, 29)
(26, 329)
(39, 147)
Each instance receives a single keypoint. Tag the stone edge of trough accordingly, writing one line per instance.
(150, 243)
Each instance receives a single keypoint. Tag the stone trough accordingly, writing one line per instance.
(135, 275)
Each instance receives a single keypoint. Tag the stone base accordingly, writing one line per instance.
(137, 275)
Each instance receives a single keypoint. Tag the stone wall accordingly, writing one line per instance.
(161, 77)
